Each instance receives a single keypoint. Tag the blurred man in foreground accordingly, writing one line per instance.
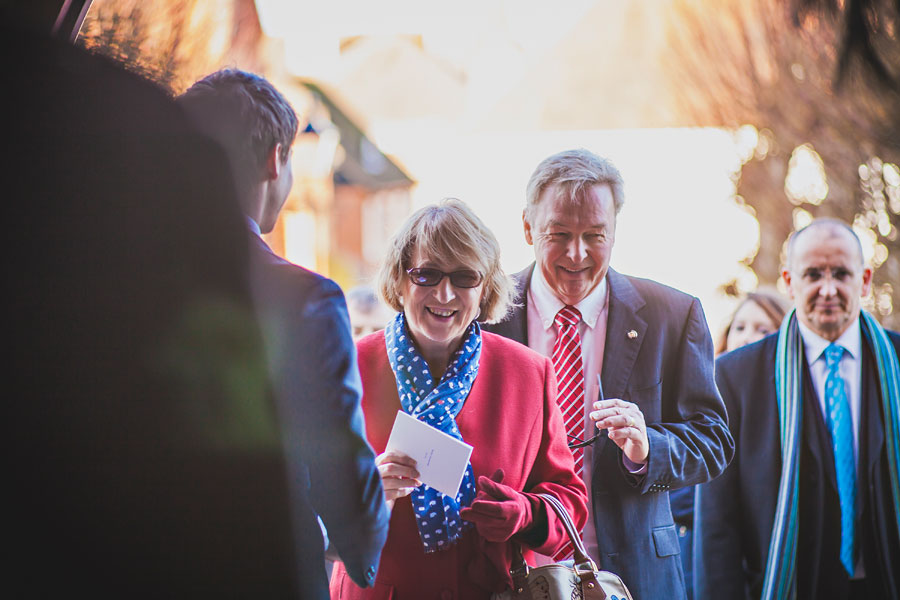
(141, 448)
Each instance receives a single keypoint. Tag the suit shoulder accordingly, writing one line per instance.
(300, 280)
(659, 292)
(747, 357)
(307, 277)
(894, 336)
(262, 256)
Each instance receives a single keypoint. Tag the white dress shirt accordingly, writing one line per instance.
(542, 308)
(253, 226)
(850, 369)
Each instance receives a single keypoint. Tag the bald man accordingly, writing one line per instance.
(810, 502)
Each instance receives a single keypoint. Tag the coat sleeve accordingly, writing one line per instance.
(692, 444)
(319, 400)
(553, 472)
(718, 543)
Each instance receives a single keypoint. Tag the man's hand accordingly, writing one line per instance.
(398, 475)
(626, 426)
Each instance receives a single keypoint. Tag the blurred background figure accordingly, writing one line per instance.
(759, 314)
(756, 316)
(368, 313)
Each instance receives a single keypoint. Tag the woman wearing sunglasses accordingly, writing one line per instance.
(442, 274)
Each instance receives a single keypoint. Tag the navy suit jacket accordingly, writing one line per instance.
(331, 466)
(735, 513)
(667, 370)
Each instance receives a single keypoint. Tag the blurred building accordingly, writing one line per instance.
(348, 196)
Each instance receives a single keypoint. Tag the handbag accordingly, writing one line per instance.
(558, 581)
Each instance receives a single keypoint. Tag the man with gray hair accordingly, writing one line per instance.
(810, 507)
(634, 364)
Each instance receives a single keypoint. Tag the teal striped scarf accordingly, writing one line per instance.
(781, 565)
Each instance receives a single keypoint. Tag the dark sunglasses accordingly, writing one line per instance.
(427, 277)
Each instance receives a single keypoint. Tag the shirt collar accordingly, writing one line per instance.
(253, 226)
(547, 304)
(815, 345)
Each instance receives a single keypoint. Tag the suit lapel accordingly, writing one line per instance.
(621, 347)
(515, 325)
(871, 427)
(815, 432)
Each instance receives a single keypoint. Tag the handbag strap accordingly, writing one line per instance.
(585, 567)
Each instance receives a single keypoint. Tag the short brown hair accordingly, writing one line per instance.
(246, 115)
(448, 229)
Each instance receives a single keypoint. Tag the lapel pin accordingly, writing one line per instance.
(632, 334)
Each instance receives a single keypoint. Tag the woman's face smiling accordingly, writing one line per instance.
(438, 315)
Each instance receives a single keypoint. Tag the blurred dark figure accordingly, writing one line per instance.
(307, 332)
(143, 457)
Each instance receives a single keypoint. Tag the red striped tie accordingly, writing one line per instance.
(570, 379)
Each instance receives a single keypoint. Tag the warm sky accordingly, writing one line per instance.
(510, 82)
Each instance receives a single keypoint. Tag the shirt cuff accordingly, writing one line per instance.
(633, 467)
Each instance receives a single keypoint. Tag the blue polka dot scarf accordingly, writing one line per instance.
(437, 404)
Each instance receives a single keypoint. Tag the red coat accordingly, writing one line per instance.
(513, 422)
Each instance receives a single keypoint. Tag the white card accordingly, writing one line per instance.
(441, 459)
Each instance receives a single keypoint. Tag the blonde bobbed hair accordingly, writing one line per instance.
(447, 231)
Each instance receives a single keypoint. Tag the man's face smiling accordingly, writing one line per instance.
(573, 240)
(826, 279)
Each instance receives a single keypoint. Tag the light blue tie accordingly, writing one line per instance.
(840, 425)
